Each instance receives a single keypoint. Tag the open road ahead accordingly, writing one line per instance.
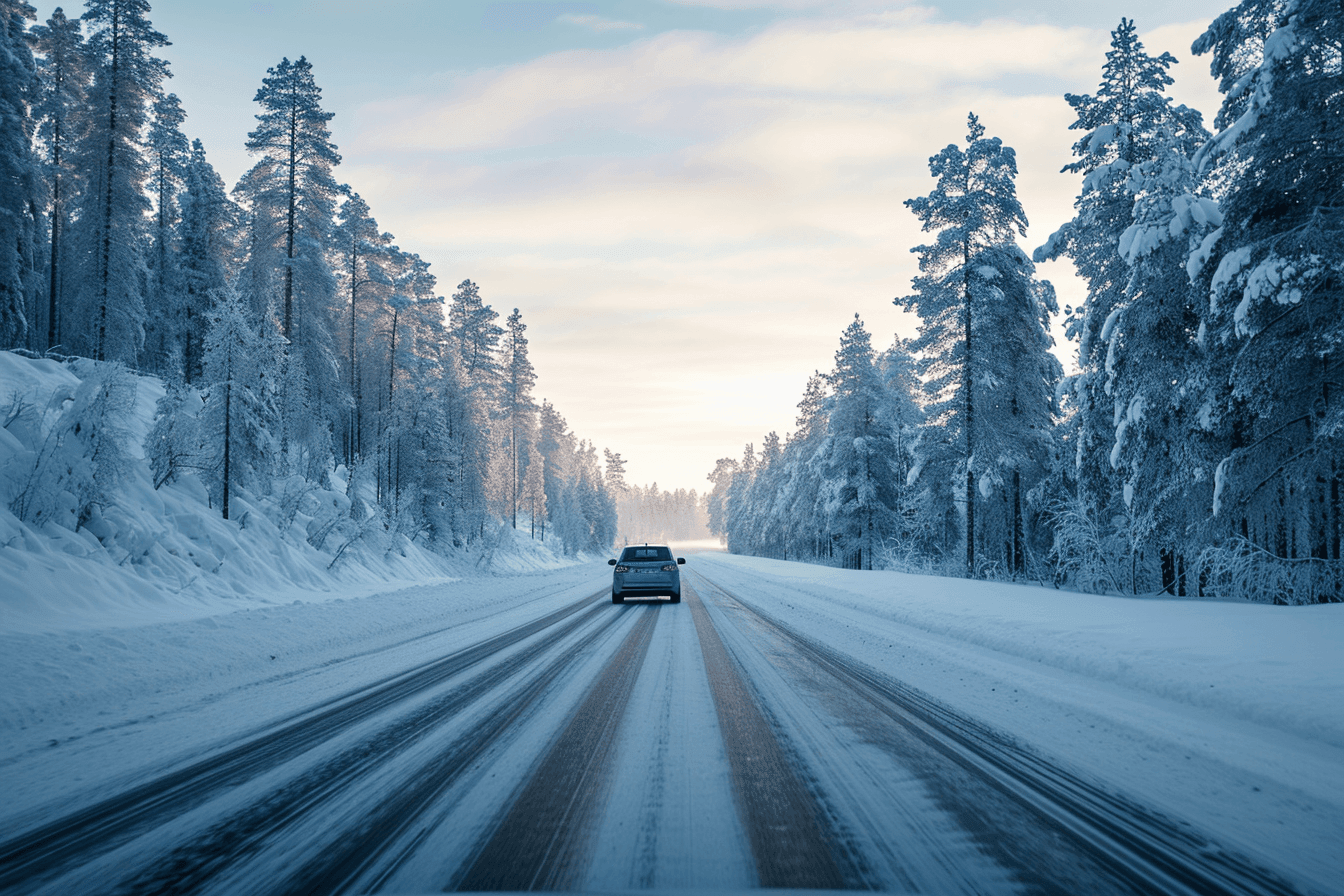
(707, 745)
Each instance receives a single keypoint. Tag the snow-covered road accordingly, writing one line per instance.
(780, 728)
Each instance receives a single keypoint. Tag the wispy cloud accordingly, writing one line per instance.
(598, 23)
(759, 207)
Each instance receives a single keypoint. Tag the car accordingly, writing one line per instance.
(646, 570)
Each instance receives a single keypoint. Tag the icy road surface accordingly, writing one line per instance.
(768, 732)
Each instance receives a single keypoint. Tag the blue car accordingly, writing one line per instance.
(646, 570)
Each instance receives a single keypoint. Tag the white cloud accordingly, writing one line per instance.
(714, 260)
(598, 23)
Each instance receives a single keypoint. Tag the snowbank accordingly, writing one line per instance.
(145, 555)
(1281, 667)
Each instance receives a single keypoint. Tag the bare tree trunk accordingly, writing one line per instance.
(105, 273)
(228, 420)
(967, 383)
(289, 228)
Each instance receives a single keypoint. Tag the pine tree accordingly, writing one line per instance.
(240, 413)
(291, 186)
(1123, 126)
(19, 180)
(858, 458)
(62, 117)
(290, 195)
(359, 250)
(1274, 275)
(517, 407)
(973, 210)
(169, 155)
(110, 226)
(207, 233)
(474, 338)
(1155, 375)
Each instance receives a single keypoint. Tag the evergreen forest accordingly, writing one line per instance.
(1198, 449)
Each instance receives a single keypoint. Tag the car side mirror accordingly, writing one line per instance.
(611, 562)
(681, 561)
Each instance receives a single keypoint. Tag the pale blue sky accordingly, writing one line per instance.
(691, 199)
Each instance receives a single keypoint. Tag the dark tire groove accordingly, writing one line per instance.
(792, 842)
(80, 836)
(192, 865)
(538, 842)
(355, 851)
(1146, 851)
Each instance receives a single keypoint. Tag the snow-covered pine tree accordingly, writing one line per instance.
(1123, 126)
(1017, 413)
(1274, 275)
(206, 243)
(358, 255)
(962, 299)
(556, 445)
(239, 418)
(62, 116)
(290, 195)
(19, 178)
(517, 408)
(898, 368)
(173, 444)
(737, 515)
(291, 185)
(858, 458)
(534, 489)
(472, 328)
(1155, 376)
(169, 155)
(721, 480)
(109, 229)
(797, 510)
(763, 536)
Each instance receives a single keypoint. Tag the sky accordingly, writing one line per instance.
(688, 200)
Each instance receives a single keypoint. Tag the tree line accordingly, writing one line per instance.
(1197, 449)
(299, 344)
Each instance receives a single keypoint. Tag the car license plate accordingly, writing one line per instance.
(648, 572)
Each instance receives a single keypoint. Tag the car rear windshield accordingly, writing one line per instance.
(645, 554)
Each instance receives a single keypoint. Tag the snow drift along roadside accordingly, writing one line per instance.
(132, 554)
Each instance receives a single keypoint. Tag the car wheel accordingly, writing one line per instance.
(676, 597)
(616, 598)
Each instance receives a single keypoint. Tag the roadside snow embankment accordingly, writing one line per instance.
(1228, 714)
(1282, 667)
(88, 542)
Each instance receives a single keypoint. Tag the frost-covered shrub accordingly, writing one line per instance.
(75, 447)
(1244, 571)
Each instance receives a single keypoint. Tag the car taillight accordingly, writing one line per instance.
(671, 567)
(622, 569)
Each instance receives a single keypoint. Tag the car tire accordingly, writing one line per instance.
(676, 597)
(616, 598)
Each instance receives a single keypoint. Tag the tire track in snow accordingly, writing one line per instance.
(540, 842)
(1137, 849)
(792, 842)
(192, 865)
(355, 852)
(77, 838)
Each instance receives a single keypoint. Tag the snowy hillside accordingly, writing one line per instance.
(86, 541)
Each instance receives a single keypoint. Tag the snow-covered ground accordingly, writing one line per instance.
(149, 555)
(1229, 714)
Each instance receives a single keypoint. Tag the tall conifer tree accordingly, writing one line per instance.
(1123, 126)
(1274, 277)
(19, 180)
(113, 207)
(62, 117)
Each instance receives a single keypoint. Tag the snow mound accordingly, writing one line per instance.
(88, 542)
